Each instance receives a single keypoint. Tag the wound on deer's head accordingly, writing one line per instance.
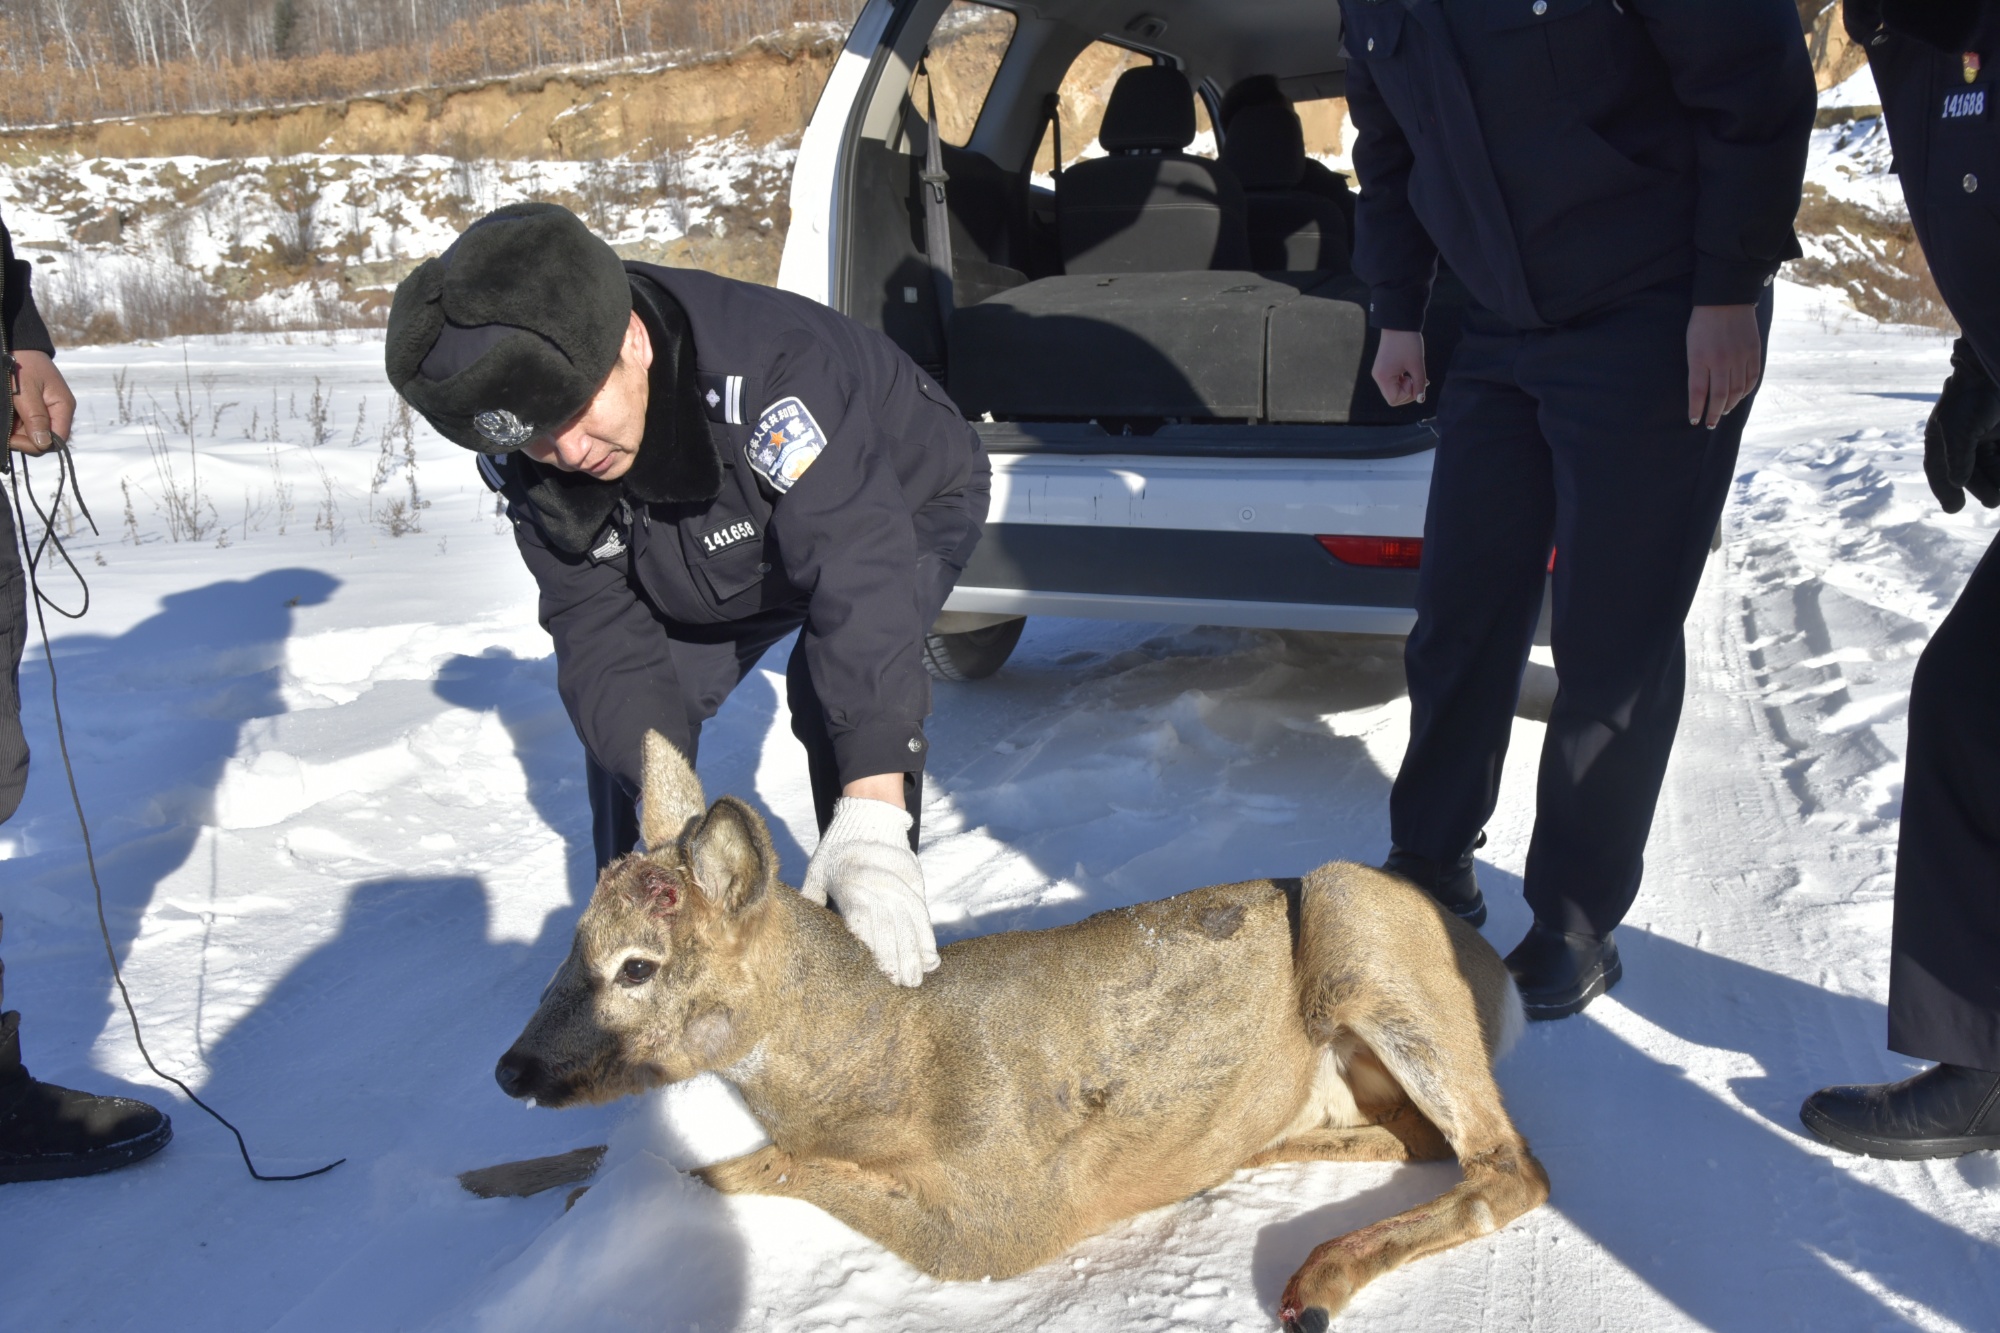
(656, 889)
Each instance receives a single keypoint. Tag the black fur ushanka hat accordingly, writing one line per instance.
(511, 330)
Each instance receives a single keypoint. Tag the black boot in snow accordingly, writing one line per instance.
(1946, 1111)
(49, 1133)
(1452, 883)
(1559, 974)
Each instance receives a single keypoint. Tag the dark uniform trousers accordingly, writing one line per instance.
(1940, 92)
(708, 661)
(23, 328)
(13, 637)
(1944, 965)
(1573, 438)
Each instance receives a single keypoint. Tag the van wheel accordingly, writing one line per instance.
(973, 655)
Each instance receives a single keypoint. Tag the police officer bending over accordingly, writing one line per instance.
(696, 468)
(1935, 64)
(1614, 181)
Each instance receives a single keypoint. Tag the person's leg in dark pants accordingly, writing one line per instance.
(1479, 593)
(809, 725)
(1575, 438)
(614, 813)
(1639, 494)
(13, 638)
(1944, 959)
(1944, 962)
(708, 663)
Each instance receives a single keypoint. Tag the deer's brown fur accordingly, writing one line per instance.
(1043, 1085)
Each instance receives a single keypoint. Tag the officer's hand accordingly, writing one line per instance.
(864, 865)
(1962, 438)
(1725, 360)
(44, 408)
(1399, 367)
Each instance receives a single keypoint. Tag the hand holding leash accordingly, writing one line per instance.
(44, 407)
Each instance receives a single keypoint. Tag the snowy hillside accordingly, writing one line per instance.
(338, 810)
(315, 240)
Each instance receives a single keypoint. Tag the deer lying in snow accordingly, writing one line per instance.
(1042, 1085)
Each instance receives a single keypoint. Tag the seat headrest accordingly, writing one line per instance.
(1266, 147)
(1151, 107)
(1245, 93)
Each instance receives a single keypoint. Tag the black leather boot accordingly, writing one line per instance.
(1559, 974)
(1946, 1111)
(1453, 883)
(49, 1133)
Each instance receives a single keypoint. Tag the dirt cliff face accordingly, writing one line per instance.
(765, 92)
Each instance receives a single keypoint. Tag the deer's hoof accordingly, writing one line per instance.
(1312, 1319)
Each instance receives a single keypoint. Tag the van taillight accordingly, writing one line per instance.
(1376, 552)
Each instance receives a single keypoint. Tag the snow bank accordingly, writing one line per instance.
(301, 241)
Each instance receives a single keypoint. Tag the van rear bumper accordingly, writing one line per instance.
(1195, 539)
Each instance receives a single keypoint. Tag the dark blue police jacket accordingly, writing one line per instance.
(852, 493)
(1561, 154)
(1937, 67)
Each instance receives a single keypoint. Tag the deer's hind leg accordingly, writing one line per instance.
(1382, 1124)
(1429, 1045)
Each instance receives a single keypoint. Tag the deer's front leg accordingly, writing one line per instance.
(761, 1172)
(929, 1237)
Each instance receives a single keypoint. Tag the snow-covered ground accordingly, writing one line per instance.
(343, 838)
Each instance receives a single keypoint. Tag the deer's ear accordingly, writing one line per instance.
(731, 856)
(670, 792)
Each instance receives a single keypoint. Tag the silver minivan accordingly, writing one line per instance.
(1115, 236)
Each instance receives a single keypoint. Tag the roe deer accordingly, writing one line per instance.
(1042, 1085)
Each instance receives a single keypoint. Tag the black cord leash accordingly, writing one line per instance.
(66, 477)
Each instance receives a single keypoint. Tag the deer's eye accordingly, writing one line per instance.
(637, 971)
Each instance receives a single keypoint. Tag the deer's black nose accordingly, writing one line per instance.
(519, 1075)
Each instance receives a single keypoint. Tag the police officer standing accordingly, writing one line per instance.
(1934, 63)
(1614, 181)
(696, 468)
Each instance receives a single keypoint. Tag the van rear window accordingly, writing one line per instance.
(967, 47)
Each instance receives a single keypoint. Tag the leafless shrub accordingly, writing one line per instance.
(282, 492)
(295, 191)
(131, 517)
(398, 515)
(327, 517)
(151, 302)
(190, 517)
(319, 415)
(670, 182)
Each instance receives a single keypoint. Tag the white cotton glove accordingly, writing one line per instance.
(865, 865)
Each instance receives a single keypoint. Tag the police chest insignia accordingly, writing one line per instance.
(612, 547)
(503, 428)
(726, 536)
(785, 443)
(1970, 63)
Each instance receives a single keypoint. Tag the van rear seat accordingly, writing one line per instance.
(1149, 207)
(1230, 346)
(1290, 227)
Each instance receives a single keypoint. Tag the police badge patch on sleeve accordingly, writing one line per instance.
(785, 443)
